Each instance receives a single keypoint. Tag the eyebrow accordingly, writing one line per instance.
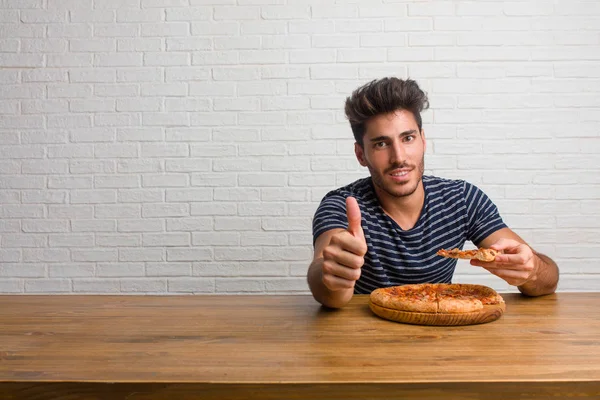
(383, 137)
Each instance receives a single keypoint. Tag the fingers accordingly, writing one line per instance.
(341, 269)
(516, 269)
(506, 244)
(334, 283)
(342, 261)
(353, 214)
(514, 256)
(513, 259)
(338, 277)
(346, 241)
(343, 257)
(517, 263)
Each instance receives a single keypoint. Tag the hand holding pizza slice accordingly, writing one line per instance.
(515, 262)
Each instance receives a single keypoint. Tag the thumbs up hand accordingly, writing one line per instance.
(343, 257)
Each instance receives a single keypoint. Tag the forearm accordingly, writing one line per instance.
(329, 298)
(545, 279)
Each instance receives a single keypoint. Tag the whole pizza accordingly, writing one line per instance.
(436, 298)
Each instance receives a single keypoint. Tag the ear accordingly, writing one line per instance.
(360, 154)
(424, 141)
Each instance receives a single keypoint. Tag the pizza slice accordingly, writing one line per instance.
(453, 299)
(486, 295)
(414, 298)
(456, 304)
(482, 254)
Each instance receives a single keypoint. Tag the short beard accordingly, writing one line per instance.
(378, 179)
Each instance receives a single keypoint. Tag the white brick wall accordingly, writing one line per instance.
(182, 146)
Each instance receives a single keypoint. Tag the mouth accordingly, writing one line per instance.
(400, 171)
(400, 174)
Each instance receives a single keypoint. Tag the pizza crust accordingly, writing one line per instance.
(458, 305)
(482, 254)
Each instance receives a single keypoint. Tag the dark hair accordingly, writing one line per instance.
(381, 97)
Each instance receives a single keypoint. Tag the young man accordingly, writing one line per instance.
(385, 230)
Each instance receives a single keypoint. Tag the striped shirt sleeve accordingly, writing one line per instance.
(330, 214)
(483, 216)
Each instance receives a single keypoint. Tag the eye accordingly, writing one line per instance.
(409, 138)
(379, 145)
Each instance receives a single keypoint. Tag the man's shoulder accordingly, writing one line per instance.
(360, 189)
(440, 185)
(450, 190)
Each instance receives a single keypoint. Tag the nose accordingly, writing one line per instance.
(398, 153)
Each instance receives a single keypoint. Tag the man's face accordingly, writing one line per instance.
(393, 150)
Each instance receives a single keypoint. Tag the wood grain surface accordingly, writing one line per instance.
(489, 313)
(288, 346)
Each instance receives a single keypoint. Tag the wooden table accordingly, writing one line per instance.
(288, 347)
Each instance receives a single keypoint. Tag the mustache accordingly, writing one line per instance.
(398, 166)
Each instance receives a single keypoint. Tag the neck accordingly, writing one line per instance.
(404, 210)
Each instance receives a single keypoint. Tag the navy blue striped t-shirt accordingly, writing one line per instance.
(453, 212)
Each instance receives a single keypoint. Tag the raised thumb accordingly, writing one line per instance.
(353, 214)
